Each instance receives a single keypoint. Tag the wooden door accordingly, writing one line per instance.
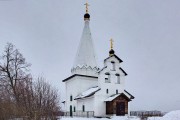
(120, 108)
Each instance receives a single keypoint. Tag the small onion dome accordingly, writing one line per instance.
(111, 52)
(86, 16)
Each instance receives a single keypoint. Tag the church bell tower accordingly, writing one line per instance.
(85, 60)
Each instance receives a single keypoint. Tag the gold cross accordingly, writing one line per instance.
(111, 43)
(86, 7)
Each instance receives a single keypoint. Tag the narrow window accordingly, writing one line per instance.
(116, 91)
(74, 109)
(113, 65)
(71, 98)
(70, 110)
(118, 78)
(83, 108)
(107, 91)
(107, 77)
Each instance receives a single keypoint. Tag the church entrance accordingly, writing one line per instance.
(120, 108)
(118, 105)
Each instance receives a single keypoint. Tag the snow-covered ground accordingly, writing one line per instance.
(154, 118)
(174, 115)
(112, 118)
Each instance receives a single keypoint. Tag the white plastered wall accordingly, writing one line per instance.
(100, 96)
(87, 102)
(99, 105)
(77, 85)
(113, 85)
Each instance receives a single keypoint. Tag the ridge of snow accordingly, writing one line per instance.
(116, 95)
(127, 94)
(173, 115)
(88, 92)
(111, 97)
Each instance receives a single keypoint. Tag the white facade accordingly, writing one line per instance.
(89, 88)
(76, 86)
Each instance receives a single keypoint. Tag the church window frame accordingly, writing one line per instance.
(116, 91)
(74, 109)
(118, 78)
(83, 108)
(107, 77)
(71, 98)
(107, 91)
(113, 66)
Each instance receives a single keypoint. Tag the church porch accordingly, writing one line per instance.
(117, 105)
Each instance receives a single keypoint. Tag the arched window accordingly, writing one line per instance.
(107, 77)
(70, 110)
(113, 65)
(107, 91)
(71, 98)
(74, 109)
(118, 78)
(116, 91)
(83, 108)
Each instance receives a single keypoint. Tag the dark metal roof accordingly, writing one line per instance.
(123, 71)
(115, 57)
(78, 75)
(102, 69)
(132, 97)
(119, 68)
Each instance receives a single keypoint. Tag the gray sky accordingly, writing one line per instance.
(146, 35)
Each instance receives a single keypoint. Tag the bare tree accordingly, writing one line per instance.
(13, 70)
(46, 99)
(20, 94)
(40, 99)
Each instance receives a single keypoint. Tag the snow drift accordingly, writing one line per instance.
(174, 115)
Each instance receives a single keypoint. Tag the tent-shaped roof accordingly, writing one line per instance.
(85, 56)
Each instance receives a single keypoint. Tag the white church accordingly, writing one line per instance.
(90, 89)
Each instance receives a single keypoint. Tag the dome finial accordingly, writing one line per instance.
(87, 16)
(111, 52)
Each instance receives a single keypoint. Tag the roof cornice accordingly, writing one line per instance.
(78, 75)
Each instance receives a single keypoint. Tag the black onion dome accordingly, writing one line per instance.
(111, 52)
(86, 16)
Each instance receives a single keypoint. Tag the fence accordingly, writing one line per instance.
(87, 114)
(145, 114)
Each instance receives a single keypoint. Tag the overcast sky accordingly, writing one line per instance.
(146, 35)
